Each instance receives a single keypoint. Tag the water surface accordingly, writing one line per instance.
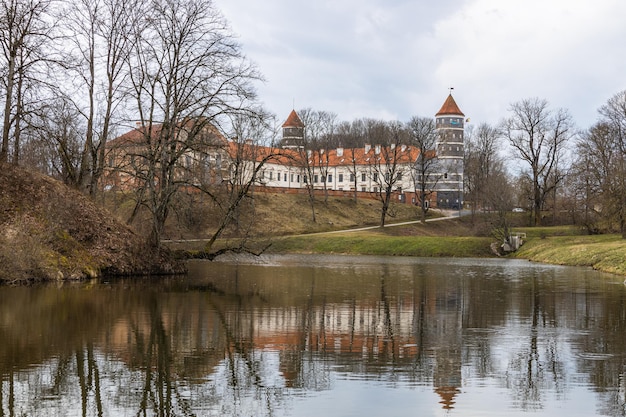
(320, 335)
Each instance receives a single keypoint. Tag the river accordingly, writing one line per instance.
(309, 335)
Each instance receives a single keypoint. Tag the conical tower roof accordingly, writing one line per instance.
(293, 120)
(449, 107)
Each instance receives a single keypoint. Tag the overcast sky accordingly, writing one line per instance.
(393, 59)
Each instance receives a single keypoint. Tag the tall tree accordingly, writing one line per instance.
(351, 136)
(614, 115)
(387, 162)
(312, 156)
(187, 73)
(601, 168)
(481, 161)
(597, 175)
(425, 171)
(232, 179)
(25, 27)
(539, 137)
(322, 130)
(101, 44)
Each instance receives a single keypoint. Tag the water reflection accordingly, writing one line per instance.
(310, 335)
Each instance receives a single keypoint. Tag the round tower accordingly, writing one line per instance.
(450, 124)
(293, 132)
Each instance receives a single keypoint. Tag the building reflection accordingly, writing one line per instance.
(238, 333)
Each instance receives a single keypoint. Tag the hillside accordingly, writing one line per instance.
(49, 231)
(278, 214)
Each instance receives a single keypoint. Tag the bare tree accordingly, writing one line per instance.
(600, 171)
(425, 169)
(319, 139)
(100, 35)
(234, 177)
(387, 162)
(481, 160)
(60, 129)
(539, 137)
(498, 194)
(308, 154)
(596, 175)
(187, 73)
(25, 28)
(613, 113)
(351, 137)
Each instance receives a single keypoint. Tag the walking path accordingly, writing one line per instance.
(447, 216)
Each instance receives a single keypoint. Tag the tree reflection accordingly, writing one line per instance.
(244, 340)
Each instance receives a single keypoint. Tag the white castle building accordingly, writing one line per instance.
(363, 172)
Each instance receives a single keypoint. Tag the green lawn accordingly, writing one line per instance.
(373, 243)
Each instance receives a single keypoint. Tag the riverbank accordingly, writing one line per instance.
(377, 242)
(49, 232)
(606, 253)
(564, 245)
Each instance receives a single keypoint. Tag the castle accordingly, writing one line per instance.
(350, 170)
(367, 171)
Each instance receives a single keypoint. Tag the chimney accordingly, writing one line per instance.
(367, 147)
(339, 151)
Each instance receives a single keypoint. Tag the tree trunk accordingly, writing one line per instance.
(385, 200)
(312, 202)
(6, 129)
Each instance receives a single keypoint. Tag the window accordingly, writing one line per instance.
(386, 176)
(363, 176)
(315, 178)
(340, 179)
(330, 178)
(291, 177)
(278, 176)
(375, 189)
(399, 176)
(375, 176)
(298, 178)
(351, 177)
(363, 189)
(271, 175)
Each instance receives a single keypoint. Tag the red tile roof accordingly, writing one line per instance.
(136, 136)
(293, 120)
(290, 157)
(450, 107)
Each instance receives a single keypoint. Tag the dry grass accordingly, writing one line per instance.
(286, 214)
(49, 231)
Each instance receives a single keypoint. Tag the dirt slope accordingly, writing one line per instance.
(49, 231)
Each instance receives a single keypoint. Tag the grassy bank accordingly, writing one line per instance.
(287, 225)
(375, 243)
(553, 245)
(605, 253)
